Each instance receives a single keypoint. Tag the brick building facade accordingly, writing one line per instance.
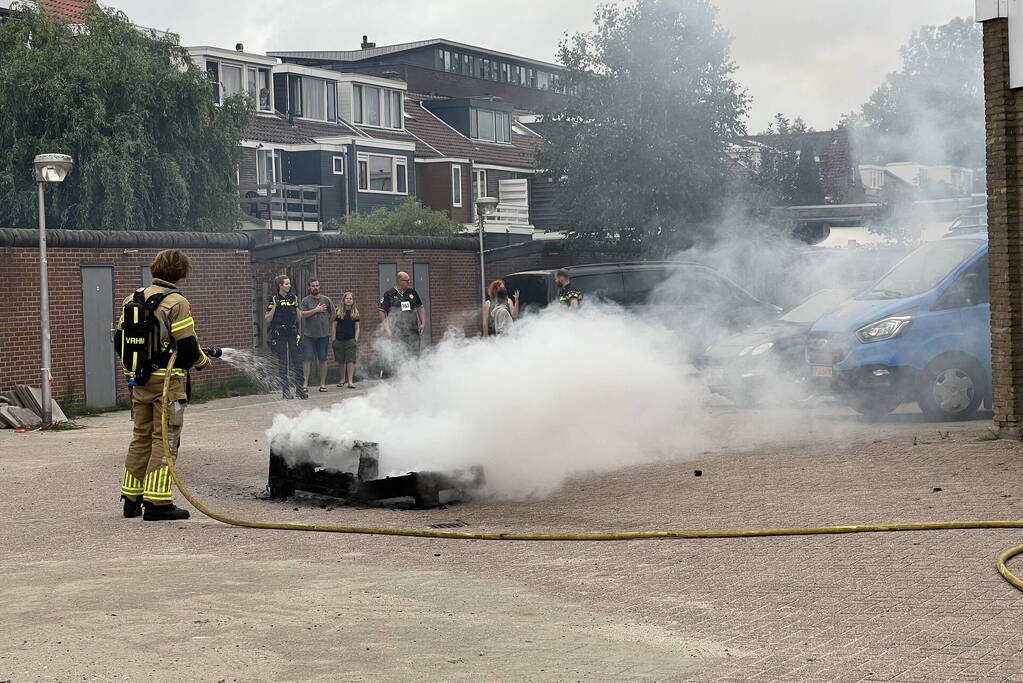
(1004, 111)
(220, 263)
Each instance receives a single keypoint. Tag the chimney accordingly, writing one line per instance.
(366, 44)
(239, 47)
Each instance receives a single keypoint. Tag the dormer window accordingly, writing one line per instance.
(227, 80)
(311, 98)
(373, 106)
(490, 126)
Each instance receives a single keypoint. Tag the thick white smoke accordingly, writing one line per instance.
(565, 393)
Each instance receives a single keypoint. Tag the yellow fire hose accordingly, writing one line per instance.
(1003, 557)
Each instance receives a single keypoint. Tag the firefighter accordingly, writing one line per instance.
(147, 480)
(283, 337)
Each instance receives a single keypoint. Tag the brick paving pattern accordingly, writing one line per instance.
(922, 606)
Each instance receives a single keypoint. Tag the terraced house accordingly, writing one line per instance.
(342, 132)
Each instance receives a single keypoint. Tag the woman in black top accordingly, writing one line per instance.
(346, 338)
(282, 336)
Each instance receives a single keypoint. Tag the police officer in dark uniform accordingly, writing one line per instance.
(402, 316)
(283, 336)
(568, 294)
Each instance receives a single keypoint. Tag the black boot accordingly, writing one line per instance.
(155, 513)
(132, 507)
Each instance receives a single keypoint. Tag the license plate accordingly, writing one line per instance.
(822, 371)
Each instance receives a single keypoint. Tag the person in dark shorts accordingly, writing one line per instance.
(282, 336)
(346, 338)
(402, 316)
(317, 315)
(568, 295)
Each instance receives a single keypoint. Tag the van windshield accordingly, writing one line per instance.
(922, 270)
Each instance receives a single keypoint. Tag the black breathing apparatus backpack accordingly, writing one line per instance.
(143, 347)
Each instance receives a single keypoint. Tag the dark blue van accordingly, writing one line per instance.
(921, 333)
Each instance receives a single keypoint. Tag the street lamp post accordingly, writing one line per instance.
(49, 168)
(484, 207)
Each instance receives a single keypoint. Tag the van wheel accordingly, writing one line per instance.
(875, 404)
(951, 389)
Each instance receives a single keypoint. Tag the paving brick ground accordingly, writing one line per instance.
(86, 595)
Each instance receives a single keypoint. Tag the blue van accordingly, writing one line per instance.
(921, 333)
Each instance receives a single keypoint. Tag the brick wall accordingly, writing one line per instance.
(1004, 110)
(219, 277)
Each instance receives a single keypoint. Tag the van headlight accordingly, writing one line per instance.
(886, 328)
(761, 349)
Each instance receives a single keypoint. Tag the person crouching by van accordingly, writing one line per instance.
(501, 316)
(346, 339)
(567, 294)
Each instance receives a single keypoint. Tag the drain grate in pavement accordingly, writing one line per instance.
(448, 525)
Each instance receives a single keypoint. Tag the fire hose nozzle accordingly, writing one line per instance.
(214, 352)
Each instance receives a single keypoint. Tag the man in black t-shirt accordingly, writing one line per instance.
(402, 316)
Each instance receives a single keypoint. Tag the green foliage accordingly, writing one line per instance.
(932, 110)
(642, 151)
(786, 170)
(410, 218)
(151, 149)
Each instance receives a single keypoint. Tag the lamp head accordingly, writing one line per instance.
(52, 168)
(486, 205)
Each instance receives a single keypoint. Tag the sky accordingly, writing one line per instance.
(817, 59)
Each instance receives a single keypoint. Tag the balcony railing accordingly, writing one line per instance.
(511, 214)
(279, 206)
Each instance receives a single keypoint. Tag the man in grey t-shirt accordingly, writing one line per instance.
(316, 313)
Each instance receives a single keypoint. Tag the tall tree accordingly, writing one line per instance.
(151, 149)
(932, 110)
(641, 150)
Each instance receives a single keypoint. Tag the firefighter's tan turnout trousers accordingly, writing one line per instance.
(145, 469)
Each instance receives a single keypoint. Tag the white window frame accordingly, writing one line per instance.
(276, 164)
(456, 185)
(334, 161)
(326, 98)
(384, 97)
(245, 70)
(397, 162)
(269, 86)
(474, 126)
(479, 182)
